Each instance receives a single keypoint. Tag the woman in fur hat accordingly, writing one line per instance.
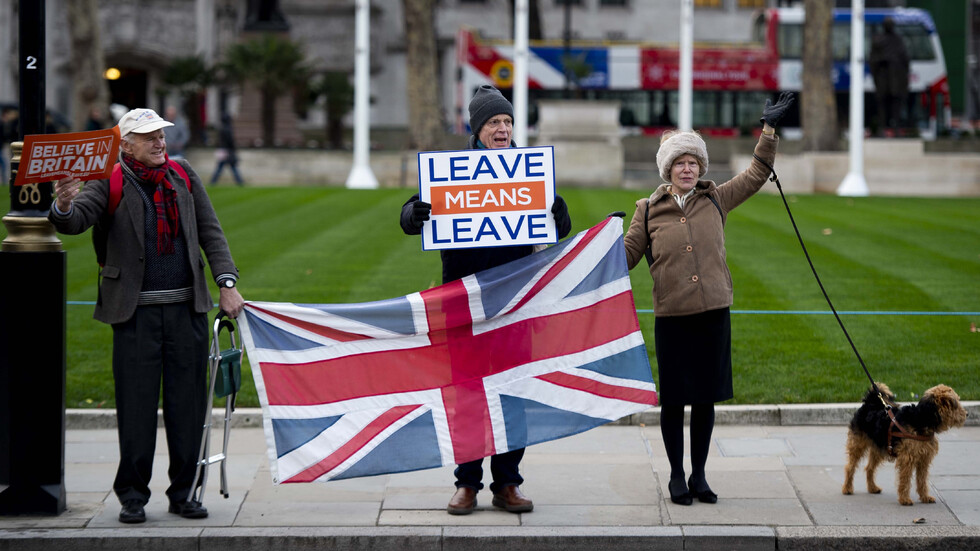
(681, 230)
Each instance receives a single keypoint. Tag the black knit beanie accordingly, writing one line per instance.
(487, 102)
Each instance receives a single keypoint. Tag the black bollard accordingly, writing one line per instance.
(32, 315)
(32, 382)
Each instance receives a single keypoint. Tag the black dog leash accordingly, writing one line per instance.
(775, 179)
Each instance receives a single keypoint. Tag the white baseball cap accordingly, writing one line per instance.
(142, 121)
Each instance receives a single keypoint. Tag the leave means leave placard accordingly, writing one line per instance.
(488, 197)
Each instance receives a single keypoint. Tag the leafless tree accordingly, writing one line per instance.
(818, 103)
(89, 88)
(425, 117)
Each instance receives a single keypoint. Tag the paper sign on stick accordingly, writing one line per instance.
(82, 155)
(488, 197)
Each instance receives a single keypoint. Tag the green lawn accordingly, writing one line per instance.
(330, 245)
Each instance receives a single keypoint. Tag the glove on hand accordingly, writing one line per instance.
(563, 222)
(617, 214)
(772, 114)
(420, 213)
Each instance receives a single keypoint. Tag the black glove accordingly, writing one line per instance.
(563, 222)
(413, 214)
(420, 213)
(772, 114)
(617, 214)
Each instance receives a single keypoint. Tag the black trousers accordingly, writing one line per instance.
(504, 468)
(167, 342)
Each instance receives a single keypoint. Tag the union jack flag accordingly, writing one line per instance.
(537, 349)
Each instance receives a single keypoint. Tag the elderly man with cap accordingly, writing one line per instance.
(153, 292)
(680, 228)
(492, 124)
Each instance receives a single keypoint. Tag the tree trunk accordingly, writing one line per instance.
(425, 118)
(335, 132)
(818, 103)
(192, 108)
(268, 118)
(89, 89)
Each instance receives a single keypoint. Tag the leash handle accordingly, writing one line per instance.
(775, 178)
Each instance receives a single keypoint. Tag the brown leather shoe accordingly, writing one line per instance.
(511, 499)
(463, 501)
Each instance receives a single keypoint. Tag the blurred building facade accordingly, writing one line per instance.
(141, 37)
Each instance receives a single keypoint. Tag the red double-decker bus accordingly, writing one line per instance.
(730, 81)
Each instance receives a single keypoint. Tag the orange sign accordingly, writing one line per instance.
(494, 197)
(83, 155)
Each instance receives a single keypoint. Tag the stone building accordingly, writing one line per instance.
(140, 38)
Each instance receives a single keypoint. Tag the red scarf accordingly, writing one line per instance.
(164, 198)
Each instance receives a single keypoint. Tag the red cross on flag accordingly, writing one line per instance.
(541, 348)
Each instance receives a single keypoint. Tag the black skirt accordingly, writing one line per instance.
(694, 358)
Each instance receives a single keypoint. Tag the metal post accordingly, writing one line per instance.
(361, 176)
(520, 72)
(685, 88)
(32, 327)
(207, 31)
(567, 44)
(854, 184)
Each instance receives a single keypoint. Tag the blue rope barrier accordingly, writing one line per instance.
(752, 312)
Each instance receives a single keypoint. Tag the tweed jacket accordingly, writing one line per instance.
(689, 271)
(122, 275)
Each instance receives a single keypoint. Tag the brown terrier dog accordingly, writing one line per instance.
(908, 438)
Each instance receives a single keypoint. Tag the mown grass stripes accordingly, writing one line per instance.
(332, 245)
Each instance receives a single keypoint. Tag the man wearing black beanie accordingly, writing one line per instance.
(492, 126)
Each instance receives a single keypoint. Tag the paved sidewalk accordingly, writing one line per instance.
(778, 486)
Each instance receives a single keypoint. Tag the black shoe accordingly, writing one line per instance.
(703, 491)
(132, 512)
(679, 493)
(191, 509)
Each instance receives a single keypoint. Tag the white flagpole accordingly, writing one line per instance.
(520, 72)
(685, 88)
(854, 184)
(361, 176)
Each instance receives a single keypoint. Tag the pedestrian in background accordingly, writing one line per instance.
(226, 154)
(154, 294)
(889, 63)
(9, 132)
(681, 226)
(492, 124)
(178, 134)
(96, 120)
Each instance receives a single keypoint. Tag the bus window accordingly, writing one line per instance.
(840, 41)
(790, 40)
(703, 112)
(917, 42)
(747, 108)
(916, 39)
(759, 27)
(634, 106)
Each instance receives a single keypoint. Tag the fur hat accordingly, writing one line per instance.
(673, 144)
(487, 102)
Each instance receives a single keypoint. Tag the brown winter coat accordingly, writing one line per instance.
(689, 272)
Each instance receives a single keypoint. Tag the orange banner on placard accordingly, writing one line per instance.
(82, 155)
(492, 197)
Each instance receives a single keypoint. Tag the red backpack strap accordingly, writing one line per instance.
(180, 172)
(116, 183)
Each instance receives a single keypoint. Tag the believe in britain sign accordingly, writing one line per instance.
(83, 155)
(488, 197)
